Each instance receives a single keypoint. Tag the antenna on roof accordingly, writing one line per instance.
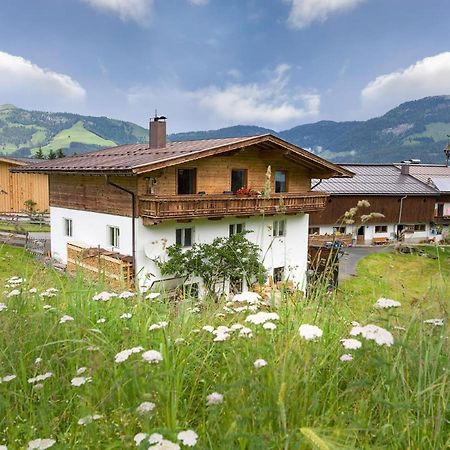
(447, 150)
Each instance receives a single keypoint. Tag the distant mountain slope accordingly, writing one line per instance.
(416, 129)
(22, 132)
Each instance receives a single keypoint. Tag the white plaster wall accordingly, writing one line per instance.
(289, 251)
(88, 228)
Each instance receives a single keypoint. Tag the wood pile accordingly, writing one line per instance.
(100, 264)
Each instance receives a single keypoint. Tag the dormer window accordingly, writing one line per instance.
(280, 181)
(238, 179)
(186, 181)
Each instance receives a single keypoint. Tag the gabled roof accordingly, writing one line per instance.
(16, 161)
(433, 175)
(139, 158)
(376, 179)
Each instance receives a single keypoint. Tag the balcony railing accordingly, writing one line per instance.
(192, 206)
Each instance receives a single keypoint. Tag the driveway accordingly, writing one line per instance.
(351, 257)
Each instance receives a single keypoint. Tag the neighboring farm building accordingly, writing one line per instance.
(407, 203)
(17, 188)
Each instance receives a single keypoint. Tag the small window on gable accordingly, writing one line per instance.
(114, 236)
(236, 228)
(280, 181)
(68, 227)
(238, 179)
(184, 237)
(279, 228)
(186, 181)
(381, 228)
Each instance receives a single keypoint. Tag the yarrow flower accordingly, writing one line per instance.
(385, 303)
(351, 344)
(188, 438)
(101, 320)
(145, 407)
(435, 322)
(269, 326)
(374, 333)
(138, 438)
(65, 319)
(125, 354)
(245, 332)
(89, 419)
(157, 441)
(262, 317)
(7, 378)
(152, 295)
(310, 332)
(152, 356)
(126, 294)
(50, 292)
(126, 316)
(79, 381)
(260, 363)
(40, 377)
(247, 297)
(346, 357)
(214, 399)
(3, 307)
(41, 444)
(104, 296)
(157, 326)
(14, 293)
(32, 291)
(208, 328)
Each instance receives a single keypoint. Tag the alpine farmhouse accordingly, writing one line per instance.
(138, 199)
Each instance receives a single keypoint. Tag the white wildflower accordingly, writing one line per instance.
(385, 303)
(3, 447)
(7, 378)
(374, 333)
(221, 334)
(152, 295)
(262, 317)
(125, 354)
(89, 419)
(65, 319)
(310, 332)
(81, 370)
(126, 316)
(145, 407)
(157, 326)
(208, 328)
(188, 438)
(79, 381)
(214, 399)
(138, 438)
(50, 292)
(435, 322)
(260, 363)
(269, 326)
(40, 377)
(37, 361)
(14, 293)
(32, 291)
(47, 307)
(38, 387)
(101, 320)
(236, 326)
(152, 356)
(126, 294)
(179, 340)
(104, 296)
(351, 344)
(220, 315)
(247, 297)
(346, 357)
(41, 444)
(154, 438)
(93, 348)
(245, 332)
(3, 307)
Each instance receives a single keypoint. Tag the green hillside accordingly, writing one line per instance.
(23, 132)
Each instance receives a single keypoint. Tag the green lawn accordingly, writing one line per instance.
(8, 226)
(387, 397)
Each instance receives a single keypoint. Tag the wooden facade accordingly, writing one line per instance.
(415, 209)
(17, 188)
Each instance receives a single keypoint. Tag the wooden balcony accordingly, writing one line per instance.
(156, 208)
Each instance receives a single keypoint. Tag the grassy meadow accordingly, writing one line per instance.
(65, 379)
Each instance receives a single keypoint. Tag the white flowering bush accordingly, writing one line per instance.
(200, 374)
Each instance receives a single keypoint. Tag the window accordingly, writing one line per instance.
(236, 228)
(191, 290)
(238, 179)
(186, 181)
(279, 228)
(68, 227)
(381, 228)
(280, 181)
(278, 274)
(184, 236)
(313, 230)
(419, 227)
(236, 285)
(113, 235)
(339, 230)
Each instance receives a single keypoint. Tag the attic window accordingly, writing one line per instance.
(280, 181)
(186, 181)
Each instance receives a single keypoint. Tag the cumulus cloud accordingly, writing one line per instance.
(305, 12)
(135, 10)
(28, 85)
(272, 103)
(429, 76)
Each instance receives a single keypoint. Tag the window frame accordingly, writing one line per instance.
(68, 227)
(276, 228)
(384, 229)
(245, 171)
(182, 232)
(278, 274)
(285, 172)
(194, 187)
(114, 236)
(420, 227)
(232, 228)
(340, 230)
(314, 232)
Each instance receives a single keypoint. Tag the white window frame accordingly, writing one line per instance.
(381, 232)
(183, 236)
(278, 231)
(113, 236)
(232, 228)
(68, 227)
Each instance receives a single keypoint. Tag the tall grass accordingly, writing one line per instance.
(386, 397)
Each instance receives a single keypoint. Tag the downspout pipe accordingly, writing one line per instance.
(400, 213)
(317, 184)
(133, 221)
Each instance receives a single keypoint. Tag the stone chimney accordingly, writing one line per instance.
(157, 138)
(405, 167)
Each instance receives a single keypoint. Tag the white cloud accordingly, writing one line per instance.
(28, 85)
(272, 103)
(429, 76)
(135, 10)
(305, 12)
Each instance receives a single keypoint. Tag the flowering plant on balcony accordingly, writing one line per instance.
(243, 192)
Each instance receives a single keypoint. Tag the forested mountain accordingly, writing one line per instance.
(416, 129)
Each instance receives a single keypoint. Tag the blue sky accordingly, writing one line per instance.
(212, 63)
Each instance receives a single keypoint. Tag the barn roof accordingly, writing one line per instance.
(17, 161)
(376, 179)
(139, 158)
(433, 175)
